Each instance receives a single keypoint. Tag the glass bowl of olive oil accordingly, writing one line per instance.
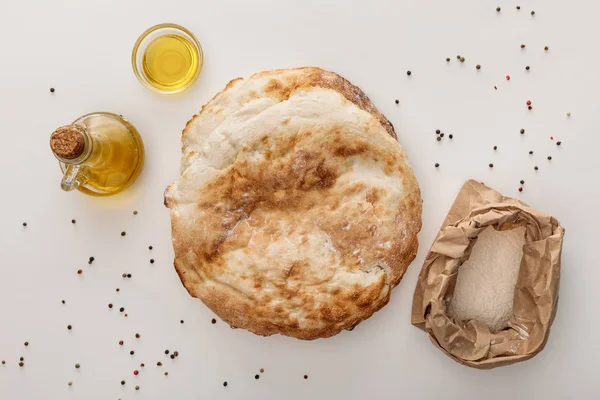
(167, 58)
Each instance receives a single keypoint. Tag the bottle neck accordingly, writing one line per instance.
(71, 144)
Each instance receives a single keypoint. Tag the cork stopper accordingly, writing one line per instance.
(67, 142)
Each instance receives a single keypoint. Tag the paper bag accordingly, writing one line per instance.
(536, 293)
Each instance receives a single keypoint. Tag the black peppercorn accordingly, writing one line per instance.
(129, 275)
(21, 364)
(181, 321)
(495, 147)
(442, 134)
(256, 376)
(450, 136)
(530, 151)
(149, 247)
(62, 301)
(172, 357)
(395, 101)
(132, 352)
(527, 68)
(448, 59)
(110, 305)
(69, 327)
(305, 376)
(558, 143)
(530, 107)
(152, 261)
(24, 223)
(437, 131)
(176, 353)
(123, 233)
(166, 351)
(518, 7)
(478, 66)
(549, 158)
(26, 343)
(536, 168)
(522, 131)
(21, 359)
(225, 383)
(437, 165)
(408, 73)
(498, 9)
(214, 321)
(522, 182)
(532, 12)
(491, 165)
(122, 309)
(439, 138)
(52, 90)
(122, 382)
(73, 221)
(546, 48)
(77, 366)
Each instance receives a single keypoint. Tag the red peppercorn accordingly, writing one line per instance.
(528, 102)
(508, 77)
(520, 189)
(79, 272)
(137, 335)
(522, 46)
(135, 372)
(121, 342)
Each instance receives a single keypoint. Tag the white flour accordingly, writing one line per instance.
(485, 284)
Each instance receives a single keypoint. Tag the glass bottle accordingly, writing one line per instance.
(100, 154)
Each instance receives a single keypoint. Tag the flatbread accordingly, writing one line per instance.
(296, 211)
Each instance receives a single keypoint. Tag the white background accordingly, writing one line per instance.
(82, 48)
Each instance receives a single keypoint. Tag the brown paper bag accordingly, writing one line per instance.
(536, 293)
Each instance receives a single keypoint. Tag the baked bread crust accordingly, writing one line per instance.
(297, 210)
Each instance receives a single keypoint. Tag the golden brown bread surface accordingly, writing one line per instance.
(297, 211)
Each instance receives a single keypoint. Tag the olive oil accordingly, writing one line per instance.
(100, 154)
(167, 58)
(170, 62)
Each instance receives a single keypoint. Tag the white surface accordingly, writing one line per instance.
(82, 48)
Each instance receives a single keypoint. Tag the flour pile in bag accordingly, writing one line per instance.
(485, 284)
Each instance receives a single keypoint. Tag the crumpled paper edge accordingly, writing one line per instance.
(536, 293)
